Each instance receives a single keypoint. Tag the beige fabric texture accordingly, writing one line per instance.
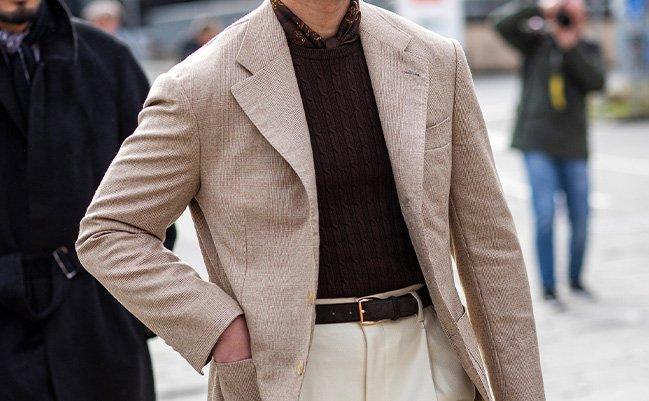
(225, 133)
(410, 359)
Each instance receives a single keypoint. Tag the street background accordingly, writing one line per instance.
(595, 351)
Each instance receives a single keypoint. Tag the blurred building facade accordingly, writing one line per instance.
(167, 23)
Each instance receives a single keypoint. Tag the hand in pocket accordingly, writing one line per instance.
(234, 343)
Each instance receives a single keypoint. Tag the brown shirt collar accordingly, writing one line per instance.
(300, 34)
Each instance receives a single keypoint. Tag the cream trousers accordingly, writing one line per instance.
(410, 359)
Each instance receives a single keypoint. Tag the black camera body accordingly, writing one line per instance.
(563, 18)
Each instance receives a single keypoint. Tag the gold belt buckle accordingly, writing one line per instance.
(361, 312)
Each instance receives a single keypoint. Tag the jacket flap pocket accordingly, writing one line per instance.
(238, 380)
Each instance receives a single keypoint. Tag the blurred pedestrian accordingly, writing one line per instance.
(560, 67)
(201, 32)
(334, 156)
(69, 95)
(108, 15)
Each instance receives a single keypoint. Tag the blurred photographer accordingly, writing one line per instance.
(560, 67)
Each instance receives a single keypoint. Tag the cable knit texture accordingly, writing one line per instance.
(365, 247)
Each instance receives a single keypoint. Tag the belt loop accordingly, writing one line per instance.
(396, 312)
(420, 307)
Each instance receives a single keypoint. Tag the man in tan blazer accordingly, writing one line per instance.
(334, 158)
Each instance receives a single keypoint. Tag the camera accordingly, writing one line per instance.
(563, 18)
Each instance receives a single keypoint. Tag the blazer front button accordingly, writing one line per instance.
(300, 368)
(311, 297)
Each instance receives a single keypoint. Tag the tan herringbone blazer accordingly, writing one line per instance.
(225, 133)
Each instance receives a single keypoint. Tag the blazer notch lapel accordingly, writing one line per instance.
(263, 40)
(400, 82)
(271, 99)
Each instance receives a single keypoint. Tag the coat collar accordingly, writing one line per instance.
(270, 97)
(58, 43)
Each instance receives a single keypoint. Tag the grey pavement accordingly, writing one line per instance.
(594, 351)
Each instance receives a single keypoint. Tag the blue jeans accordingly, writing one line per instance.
(548, 175)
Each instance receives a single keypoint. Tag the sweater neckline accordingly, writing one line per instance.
(325, 54)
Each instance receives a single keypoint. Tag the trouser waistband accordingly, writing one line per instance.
(391, 305)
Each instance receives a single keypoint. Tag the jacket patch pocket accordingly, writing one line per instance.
(238, 380)
(439, 134)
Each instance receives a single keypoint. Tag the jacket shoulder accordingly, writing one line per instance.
(207, 75)
(425, 42)
(219, 54)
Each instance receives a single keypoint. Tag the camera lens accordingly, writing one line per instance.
(563, 18)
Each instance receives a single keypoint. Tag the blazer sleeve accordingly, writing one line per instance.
(151, 181)
(133, 88)
(488, 255)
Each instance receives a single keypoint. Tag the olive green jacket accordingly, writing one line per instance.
(552, 114)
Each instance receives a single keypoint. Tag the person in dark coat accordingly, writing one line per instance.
(69, 96)
(560, 68)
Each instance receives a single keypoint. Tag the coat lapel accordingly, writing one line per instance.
(10, 103)
(400, 83)
(271, 97)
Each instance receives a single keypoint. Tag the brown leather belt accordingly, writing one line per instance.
(371, 310)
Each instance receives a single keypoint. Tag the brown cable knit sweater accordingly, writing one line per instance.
(365, 247)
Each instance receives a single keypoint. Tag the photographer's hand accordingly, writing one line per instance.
(550, 9)
(566, 35)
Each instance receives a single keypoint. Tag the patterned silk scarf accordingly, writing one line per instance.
(11, 41)
(300, 34)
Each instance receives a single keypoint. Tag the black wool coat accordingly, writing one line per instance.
(86, 93)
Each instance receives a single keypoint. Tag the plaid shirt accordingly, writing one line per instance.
(299, 33)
